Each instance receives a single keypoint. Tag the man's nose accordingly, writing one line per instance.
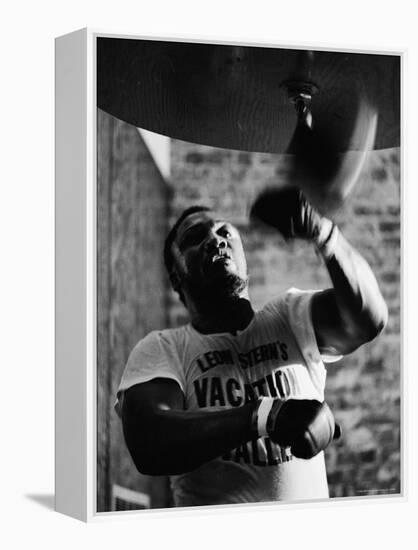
(215, 241)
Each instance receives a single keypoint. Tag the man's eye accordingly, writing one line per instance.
(191, 239)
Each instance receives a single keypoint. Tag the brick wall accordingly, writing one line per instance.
(364, 388)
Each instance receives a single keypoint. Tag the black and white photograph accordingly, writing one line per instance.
(248, 274)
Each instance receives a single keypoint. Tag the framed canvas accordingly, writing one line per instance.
(160, 406)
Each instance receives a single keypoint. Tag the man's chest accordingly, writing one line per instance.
(227, 372)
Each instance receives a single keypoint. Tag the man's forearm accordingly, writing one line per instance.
(360, 306)
(177, 441)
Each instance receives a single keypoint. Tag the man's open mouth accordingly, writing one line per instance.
(217, 259)
(220, 257)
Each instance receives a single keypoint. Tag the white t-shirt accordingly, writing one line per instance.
(275, 355)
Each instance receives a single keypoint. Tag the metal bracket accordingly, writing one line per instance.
(300, 94)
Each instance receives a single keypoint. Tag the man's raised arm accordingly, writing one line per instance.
(351, 313)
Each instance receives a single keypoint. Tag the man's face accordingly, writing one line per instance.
(209, 256)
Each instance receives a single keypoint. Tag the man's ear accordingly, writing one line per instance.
(176, 284)
(175, 280)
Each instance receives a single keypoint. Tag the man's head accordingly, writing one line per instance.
(204, 257)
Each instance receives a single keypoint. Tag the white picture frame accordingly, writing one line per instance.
(76, 275)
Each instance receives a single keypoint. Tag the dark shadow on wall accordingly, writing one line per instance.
(132, 202)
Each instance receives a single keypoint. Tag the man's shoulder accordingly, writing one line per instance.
(286, 300)
(279, 300)
(161, 336)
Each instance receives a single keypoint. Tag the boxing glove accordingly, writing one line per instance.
(287, 210)
(307, 426)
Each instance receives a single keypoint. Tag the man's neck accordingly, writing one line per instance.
(227, 316)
